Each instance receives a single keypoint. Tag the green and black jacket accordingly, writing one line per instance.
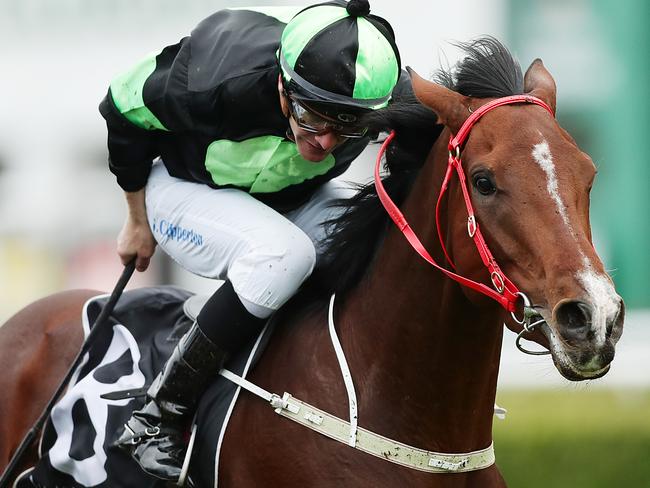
(209, 107)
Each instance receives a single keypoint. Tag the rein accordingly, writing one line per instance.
(504, 291)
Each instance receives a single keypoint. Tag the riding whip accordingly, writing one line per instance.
(97, 325)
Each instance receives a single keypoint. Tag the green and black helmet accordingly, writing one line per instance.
(339, 59)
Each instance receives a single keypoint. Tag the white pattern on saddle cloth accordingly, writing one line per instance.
(90, 471)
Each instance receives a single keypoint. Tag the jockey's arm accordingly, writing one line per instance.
(136, 240)
(133, 128)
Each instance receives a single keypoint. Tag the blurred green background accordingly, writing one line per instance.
(591, 439)
(60, 209)
(596, 435)
(602, 50)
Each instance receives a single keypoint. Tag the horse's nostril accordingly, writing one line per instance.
(574, 318)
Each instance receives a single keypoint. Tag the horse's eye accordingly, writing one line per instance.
(484, 185)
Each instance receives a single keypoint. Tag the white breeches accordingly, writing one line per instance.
(228, 234)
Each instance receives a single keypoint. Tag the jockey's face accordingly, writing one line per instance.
(312, 145)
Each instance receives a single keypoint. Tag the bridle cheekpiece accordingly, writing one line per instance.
(504, 291)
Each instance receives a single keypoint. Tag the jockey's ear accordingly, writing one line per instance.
(539, 83)
(452, 108)
(284, 100)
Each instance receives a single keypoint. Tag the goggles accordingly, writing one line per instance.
(315, 123)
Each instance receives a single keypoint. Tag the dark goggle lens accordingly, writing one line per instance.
(314, 123)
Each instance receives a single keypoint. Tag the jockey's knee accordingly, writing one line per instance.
(271, 273)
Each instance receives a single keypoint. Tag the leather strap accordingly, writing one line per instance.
(383, 447)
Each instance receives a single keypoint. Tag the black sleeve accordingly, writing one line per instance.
(131, 149)
(135, 122)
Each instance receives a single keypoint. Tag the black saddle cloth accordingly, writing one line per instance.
(77, 447)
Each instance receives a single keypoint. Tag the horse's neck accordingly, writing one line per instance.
(423, 358)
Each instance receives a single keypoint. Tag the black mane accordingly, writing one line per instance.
(487, 70)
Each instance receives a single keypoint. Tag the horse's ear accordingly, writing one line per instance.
(449, 106)
(539, 83)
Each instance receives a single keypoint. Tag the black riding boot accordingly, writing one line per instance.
(154, 434)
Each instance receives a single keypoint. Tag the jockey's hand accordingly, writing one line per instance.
(135, 240)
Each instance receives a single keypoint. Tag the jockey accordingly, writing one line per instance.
(225, 145)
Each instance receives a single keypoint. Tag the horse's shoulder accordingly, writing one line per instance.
(300, 318)
(298, 347)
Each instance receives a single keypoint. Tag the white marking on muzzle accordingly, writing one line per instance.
(542, 156)
(598, 287)
(603, 297)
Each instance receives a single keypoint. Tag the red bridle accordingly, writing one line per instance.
(505, 291)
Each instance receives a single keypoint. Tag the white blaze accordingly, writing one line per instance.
(598, 287)
(542, 156)
(604, 298)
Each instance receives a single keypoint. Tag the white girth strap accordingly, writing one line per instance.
(359, 438)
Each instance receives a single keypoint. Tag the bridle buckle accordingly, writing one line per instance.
(471, 225)
(497, 282)
(453, 156)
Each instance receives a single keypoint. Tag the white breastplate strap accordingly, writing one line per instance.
(364, 440)
(382, 447)
(347, 376)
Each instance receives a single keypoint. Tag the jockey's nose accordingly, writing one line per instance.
(328, 140)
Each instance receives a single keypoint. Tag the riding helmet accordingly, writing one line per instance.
(339, 59)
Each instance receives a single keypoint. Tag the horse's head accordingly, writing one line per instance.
(529, 185)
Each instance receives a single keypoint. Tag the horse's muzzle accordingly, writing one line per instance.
(583, 337)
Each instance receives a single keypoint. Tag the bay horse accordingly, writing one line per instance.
(423, 351)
